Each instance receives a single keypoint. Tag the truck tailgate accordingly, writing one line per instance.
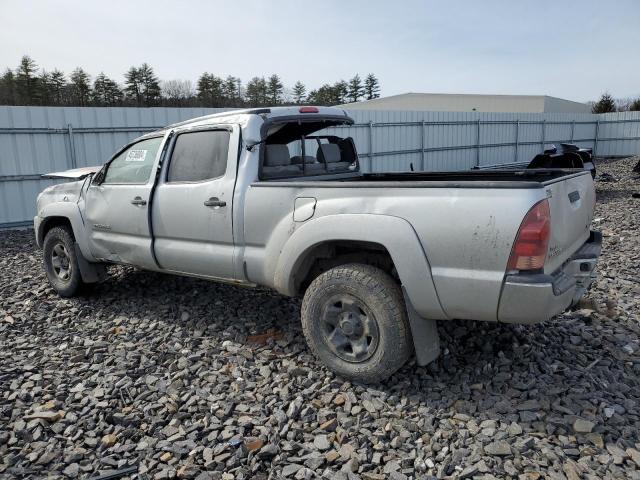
(571, 202)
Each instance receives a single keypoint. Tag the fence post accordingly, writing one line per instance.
(422, 146)
(517, 136)
(573, 128)
(595, 142)
(370, 146)
(478, 143)
(543, 134)
(72, 146)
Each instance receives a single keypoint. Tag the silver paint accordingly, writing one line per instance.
(450, 246)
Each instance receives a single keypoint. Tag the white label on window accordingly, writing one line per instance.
(136, 155)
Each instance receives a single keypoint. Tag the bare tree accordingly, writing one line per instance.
(178, 92)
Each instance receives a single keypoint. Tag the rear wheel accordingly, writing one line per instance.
(60, 262)
(355, 321)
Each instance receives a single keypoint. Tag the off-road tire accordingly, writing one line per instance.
(61, 238)
(381, 297)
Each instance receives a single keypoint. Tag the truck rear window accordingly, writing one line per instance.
(309, 156)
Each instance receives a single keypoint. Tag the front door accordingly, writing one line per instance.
(192, 205)
(116, 206)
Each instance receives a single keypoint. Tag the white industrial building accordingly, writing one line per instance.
(444, 102)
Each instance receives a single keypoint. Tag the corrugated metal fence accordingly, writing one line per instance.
(37, 140)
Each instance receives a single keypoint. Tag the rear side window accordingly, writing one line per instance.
(134, 165)
(199, 156)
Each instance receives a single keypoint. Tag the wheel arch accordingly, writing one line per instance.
(327, 254)
(384, 238)
(68, 214)
(51, 222)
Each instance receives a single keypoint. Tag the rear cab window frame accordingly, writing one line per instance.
(333, 121)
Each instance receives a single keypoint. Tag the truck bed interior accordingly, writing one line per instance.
(538, 175)
(292, 155)
(507, 179)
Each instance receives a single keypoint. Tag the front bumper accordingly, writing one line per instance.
(533, 298)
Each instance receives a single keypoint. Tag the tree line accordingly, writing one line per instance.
(27, 84)
(606, 103)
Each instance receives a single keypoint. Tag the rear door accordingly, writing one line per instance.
(571, 204)
(192, 206)
(116, 208)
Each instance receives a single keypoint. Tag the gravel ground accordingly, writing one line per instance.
(180, 378)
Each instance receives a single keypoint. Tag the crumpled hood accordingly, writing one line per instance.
(63, 192)
(76, 173)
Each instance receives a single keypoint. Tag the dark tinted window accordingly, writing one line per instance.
(199, 156)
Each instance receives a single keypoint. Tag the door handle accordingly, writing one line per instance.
(138, 201)
(215, 202)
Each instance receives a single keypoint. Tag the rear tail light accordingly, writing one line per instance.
(308, 110)
(530, 248)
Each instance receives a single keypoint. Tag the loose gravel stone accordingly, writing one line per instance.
(182, 378)
(321, 442)
(583, 426)
(499, 448)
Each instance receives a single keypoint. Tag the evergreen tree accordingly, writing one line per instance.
(604, 105)
(299, 92)
(326, 95)
(57, 87)
(231, 91)
(371, 87)
(341, 92)
(142, 86)
(26, 81)
(275, 89)
(635, 105)
(356, 90)
(106, 92)
(150, 85)
(256, 93)
(44, 90)
(8, 90)
(80, 87)
(133, 86)
(210, 90)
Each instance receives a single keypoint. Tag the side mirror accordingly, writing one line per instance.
(98, 178)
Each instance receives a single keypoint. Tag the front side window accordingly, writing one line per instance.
(199, 156)
(134, 164)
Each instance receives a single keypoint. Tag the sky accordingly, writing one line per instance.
(573, 49)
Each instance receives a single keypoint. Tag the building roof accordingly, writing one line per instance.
(470, 103)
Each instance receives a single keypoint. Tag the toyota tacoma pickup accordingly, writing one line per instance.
(264, 197)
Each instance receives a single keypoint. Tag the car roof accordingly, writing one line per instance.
(266, 113)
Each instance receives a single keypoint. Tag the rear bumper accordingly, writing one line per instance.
(533, 298)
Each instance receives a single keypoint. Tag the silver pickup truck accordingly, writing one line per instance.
(263, 197)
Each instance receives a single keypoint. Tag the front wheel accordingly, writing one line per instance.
(60, 262)
(355, 321)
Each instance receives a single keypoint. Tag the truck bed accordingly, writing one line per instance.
(466, 221)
